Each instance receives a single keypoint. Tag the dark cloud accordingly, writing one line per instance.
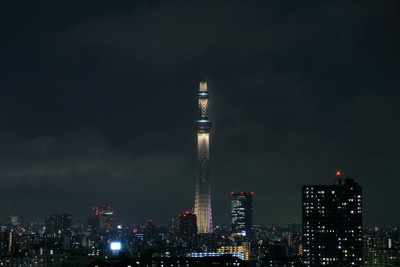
(98, 98)
(78, 170)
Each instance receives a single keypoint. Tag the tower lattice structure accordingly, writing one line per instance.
(202, 205)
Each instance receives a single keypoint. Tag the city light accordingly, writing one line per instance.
(115, 246)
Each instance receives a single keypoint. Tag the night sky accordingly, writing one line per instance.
(98, 99)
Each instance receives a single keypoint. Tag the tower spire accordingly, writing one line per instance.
(202, 205)
(203, 71)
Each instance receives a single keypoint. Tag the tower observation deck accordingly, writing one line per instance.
(202, 204)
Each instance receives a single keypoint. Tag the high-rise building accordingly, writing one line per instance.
(381, 246)
(187, 229)
(202, 205)
(16, 220)
(7, 243)
(151, 232)
(242, 213)
(93, 226)
(332, 224)
(105, 217)
(58, 225)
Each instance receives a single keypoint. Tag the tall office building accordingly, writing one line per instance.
(105, 217)
(332, 224)
(16, 220)
(187, 229)
(7, 243)
(242, 213)
(202, 204)
(58, 225)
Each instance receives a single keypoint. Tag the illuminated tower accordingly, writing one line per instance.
(202, 204)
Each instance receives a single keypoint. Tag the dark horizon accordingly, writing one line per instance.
(98, 101)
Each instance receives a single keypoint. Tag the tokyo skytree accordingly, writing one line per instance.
(202, 203)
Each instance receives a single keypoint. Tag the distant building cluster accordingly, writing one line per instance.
(331, 234)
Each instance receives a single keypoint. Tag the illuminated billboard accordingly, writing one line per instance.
(115, 246)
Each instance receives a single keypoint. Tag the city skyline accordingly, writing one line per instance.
(98, 100)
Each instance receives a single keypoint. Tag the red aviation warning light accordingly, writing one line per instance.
(338, 173)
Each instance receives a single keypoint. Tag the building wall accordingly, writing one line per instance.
(242, 213)
(332, 224)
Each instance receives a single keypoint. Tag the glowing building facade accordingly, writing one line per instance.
(105, 217)
(332, 224)
(202, 205)
(242, 214)
(58, 225)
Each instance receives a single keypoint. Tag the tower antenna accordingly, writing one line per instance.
(203, 71)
